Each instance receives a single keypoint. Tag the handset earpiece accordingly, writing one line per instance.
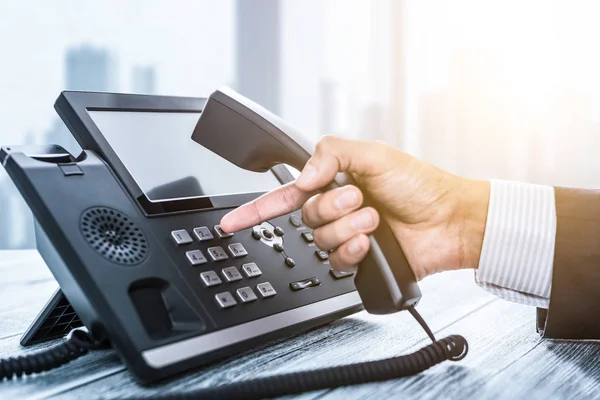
(385, 281)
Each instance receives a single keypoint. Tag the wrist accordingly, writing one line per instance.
(474, 201)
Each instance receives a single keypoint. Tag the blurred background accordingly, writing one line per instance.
(505, 89)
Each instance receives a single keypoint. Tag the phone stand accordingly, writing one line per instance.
(56, 319)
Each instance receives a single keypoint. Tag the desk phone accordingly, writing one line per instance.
(130, 230)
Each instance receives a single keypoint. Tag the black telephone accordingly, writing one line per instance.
(130, 230)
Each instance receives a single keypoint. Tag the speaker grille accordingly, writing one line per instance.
(114, 236)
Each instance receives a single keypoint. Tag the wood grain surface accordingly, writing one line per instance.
(507, 359)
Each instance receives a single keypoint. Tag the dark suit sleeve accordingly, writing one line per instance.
(574, 311)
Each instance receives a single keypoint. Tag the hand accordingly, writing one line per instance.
(438, 218)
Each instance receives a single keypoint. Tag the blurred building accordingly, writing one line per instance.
(89, 68)
(86, 68)
(144, 80)
(258, 51)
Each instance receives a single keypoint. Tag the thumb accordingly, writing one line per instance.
(334, 154)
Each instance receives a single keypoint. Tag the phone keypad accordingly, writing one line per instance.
(217, 253)
(266, 289)
(203, 234)
(225, 300)
(220, 248)
(246, 295)
(222, 234)
(251, 270)
(181, 236)
(210, 278)
(237, 250)
(231, 274)
(195, 257)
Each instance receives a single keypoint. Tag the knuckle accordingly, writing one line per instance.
(256, 211)
(318, 238)
(344, 257)
(289, 196)
(321, 210)
(325, 142)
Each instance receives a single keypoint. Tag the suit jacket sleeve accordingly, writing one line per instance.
(574, 309)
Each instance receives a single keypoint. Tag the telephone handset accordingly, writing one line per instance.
(385, 281)
(143, 264)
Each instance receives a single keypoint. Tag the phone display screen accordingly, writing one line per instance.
(157, 150)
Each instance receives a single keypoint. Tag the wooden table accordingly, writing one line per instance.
(507, 358)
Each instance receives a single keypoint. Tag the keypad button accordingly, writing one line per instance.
(290, 262)
(251, 270)
(340, 274)
(221, 233)
(217, 253)
(278, 247)
(266, 289)
(195, 257)
(278, 231)
(322, 255)
(203, 233)
(210, 278)
(181, 236)
(308, 237)
(246, 295)
(295, 220)
(237, 250)
(225, 300)
(267, 234)
(231, 274)
(306, 283)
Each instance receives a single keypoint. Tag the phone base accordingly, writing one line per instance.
(56, 319)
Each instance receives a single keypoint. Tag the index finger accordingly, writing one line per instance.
(277, 202)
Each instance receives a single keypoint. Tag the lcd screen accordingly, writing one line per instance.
(157, 149)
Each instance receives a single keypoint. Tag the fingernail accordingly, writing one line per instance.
(363, 220)
(355, 246)
(347, 199)
(308, 175)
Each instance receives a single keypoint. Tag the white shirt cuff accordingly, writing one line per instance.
(517, 255)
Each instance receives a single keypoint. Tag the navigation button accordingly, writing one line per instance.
(278, 231)
(308, 237)
(322, 255)
(225, 300)
(278, 247)
(217, 253)
(306, 283)
(340, 274)
(246, 294)
(181, 237)
(295, 220)
(290, 262)
(195, 257)
(266, 289)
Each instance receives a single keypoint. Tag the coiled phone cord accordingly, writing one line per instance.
(79, 342)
